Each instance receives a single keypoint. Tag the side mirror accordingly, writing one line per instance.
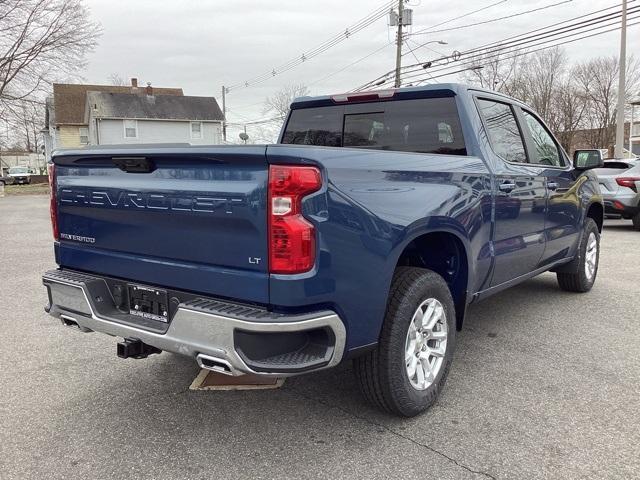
(587, 159)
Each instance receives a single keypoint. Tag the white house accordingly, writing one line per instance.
(19, 158)
(65, 125)
(121, 118)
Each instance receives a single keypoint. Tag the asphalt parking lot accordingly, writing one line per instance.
(545, 384)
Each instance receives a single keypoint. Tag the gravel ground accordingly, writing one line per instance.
(545, 384)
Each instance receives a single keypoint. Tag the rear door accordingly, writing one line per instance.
(520, 199)
(190, 218)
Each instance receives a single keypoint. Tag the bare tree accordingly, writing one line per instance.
(598, 80)
(41, 41)
(497, 71)
(278, 104)
(542, 76)
(116, 79)
(569, 99)
(569, 110)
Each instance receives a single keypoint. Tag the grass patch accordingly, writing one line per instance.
(30, 189)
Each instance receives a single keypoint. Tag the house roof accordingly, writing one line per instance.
(69, 99)
(127, 105)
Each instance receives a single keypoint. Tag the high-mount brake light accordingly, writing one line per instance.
(363, 96)
(53, 206)
(292, 242)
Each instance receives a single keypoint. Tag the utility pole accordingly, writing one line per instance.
(399, 43)
(621, 85)
(224, 115)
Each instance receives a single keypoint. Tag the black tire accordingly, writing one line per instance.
(636, 222)
(382, 372)
(573, 278)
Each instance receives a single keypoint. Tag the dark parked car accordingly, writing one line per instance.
(364, 234)
(5, 179)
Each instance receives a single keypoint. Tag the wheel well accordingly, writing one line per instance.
(443, 253)
(596, 211)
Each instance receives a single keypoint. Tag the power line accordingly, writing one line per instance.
(495, 49)
(420, 32)
(510, 42)
(319, 49)
(528, 52)
(520, 36)
(429, 31)
(352, 63)
(257, 122)
(459, 68)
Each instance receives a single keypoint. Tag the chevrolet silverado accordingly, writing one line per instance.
(363, 235)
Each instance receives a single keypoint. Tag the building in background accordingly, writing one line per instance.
(65, 125)
(122, 118)
(585, 138)
(34, 161)
(634, 140)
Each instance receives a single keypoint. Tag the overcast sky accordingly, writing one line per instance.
(201, 45)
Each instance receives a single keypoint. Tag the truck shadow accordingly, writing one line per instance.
(319, 415)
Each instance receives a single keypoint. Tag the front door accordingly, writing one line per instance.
(520, 201)
(562, 222)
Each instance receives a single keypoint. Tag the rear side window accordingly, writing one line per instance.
(315, 126)
(503, 131)
(617, 165)
(429, 125)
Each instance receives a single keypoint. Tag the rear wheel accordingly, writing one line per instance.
(406, 372)
(581, 273)
(636, 221)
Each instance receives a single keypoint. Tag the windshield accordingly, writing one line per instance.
(18, 170)
(429, 125)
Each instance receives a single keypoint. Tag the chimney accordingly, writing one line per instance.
(134, 82)
(149, 89)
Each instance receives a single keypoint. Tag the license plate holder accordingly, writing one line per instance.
(148, 302)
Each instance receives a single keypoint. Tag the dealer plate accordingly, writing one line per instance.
(148, 302)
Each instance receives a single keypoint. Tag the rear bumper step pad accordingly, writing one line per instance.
(203, 328)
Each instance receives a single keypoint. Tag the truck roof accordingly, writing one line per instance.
(407, 92)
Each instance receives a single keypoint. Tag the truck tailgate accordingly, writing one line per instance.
(187, 218)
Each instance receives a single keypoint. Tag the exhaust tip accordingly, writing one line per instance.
(73, 323)
(216, 365)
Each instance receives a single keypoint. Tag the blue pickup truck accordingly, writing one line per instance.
(363, 235)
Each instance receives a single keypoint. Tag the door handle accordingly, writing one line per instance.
(552, 185)
(507, 187)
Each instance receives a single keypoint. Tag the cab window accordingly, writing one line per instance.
(546, 150)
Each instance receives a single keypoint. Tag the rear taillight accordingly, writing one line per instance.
(292, 239)
(53, 207)
(629, 182)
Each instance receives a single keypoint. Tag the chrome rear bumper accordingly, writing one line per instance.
(204, 329)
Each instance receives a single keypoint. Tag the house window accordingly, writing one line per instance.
(130, 129)
(84, 136)
(196, 130)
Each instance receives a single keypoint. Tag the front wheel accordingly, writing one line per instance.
(581, 275)
(407, 370)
